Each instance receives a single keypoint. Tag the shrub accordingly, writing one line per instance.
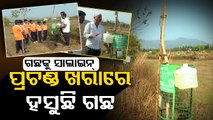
(6, 21)
(134, 46)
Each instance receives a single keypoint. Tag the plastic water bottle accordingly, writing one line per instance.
(186, 77)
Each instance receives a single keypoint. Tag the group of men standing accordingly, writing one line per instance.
(93, 32)
(36, 30)
(28, 30)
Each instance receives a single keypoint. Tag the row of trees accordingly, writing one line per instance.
(112, 23)
(15, 14)
(194, 48)
(184, 48)
(22, 11)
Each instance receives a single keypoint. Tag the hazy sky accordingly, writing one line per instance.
(46, 10)
(106, 14)
(185, 18)
(71, 10)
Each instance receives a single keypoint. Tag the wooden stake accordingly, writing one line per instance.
(162, 55)
(117, 27)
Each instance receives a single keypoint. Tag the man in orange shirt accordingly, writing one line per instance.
(26, 26)
(33, 31)
(18, 35)
(22, 27)
(24, 33)
(39, 30)
(44, 28)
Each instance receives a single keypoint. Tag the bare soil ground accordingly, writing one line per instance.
(48, 46)
(41, 48)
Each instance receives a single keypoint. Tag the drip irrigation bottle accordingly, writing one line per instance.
(176, 97)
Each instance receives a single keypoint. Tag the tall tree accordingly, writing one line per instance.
(24, 11)
(15, 14)
(140, 17)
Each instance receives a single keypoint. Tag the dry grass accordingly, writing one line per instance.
(192, 55)
(137, 102)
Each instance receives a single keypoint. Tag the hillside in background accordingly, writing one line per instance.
(180, 42)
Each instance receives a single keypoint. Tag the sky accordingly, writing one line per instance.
(71, 9)
(107, 14)
(191, 19)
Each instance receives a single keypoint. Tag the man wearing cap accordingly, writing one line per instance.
(93, 32)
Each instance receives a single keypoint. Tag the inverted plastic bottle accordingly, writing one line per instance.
(186, 77)
(108, 38)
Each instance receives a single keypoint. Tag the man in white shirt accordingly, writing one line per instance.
(65, 25)
(94, 34)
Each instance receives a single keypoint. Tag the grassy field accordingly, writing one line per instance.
(192, 55)
(48, 46)
(138, 102)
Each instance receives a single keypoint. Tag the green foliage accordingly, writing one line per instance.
(194, 48)
(54, 34)
(24, 11)
(134, 46)
(140, 18)
(112, 23)
(6, 21)
(15, 13)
